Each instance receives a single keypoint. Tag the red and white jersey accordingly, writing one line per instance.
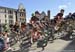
(35, 35)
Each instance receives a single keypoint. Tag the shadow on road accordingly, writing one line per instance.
(66, 38)
(70, 47)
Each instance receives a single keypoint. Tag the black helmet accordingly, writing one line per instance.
(62, 10)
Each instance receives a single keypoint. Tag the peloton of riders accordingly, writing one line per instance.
(38, 28)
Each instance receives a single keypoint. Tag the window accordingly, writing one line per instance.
(10, 12)
(24, 10)
(21, 10)
(2, 10)
(5, 21)
(5, 10)
(21, 14)
(10, 21)
(10, 17)
(5, 16)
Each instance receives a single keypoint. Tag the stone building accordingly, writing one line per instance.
(10, 15)
(43, 15)
(21, 14)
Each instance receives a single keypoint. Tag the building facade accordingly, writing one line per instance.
(9, 15)
(43, 16)
(21, 14)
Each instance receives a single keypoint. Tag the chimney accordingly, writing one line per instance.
(48, 13)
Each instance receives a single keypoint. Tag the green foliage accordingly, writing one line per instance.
(5, 27)
(32, 14)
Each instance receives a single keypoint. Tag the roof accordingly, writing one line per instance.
(8, 8)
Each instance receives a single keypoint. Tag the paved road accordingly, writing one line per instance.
(59, 45)
(22, 45)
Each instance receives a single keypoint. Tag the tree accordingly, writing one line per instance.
(5, 27)
(32, 14)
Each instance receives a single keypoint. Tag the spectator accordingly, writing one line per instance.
(2, 44)
(6, 38)
(1, 35)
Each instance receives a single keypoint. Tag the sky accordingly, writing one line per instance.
(41, 5)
